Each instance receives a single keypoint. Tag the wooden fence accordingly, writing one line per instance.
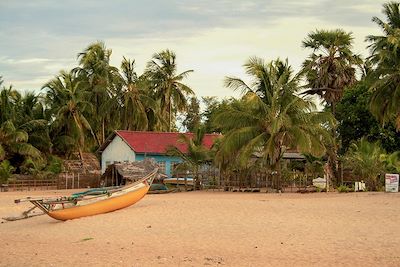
(30, 185)
(63, 181)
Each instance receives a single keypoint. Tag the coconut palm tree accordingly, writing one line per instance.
(196, 155)
(14, 142)
(9, 99)
(270, 117)
(392, 162)
(31, 118)
(167, 84)
(67, 101)
(135, 100)
(385, 51)
(365, 159)
(6, 170)
(100, 79)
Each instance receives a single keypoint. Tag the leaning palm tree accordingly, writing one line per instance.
(135, 100)
(67, 102)
(270, 117)
(167, 84)
(385, 51)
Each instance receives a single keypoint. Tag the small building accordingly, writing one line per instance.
(130, 146)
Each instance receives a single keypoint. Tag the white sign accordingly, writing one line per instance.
(392, 182)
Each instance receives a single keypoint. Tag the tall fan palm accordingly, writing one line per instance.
(135, 100)
(270, 118)
(328, 71)
(167, 84)
(68, 104)
(385, 53)
(331, 66)
(99, 78)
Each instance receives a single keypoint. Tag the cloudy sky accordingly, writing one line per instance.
(214, 38)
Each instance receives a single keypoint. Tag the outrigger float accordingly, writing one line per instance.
(88, 203)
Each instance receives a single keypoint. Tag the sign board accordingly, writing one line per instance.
(319, 182)
(392, 182)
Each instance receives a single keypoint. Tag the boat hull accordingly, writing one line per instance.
(179, 181)
(103, 206)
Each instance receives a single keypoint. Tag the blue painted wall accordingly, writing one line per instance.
(158, 158)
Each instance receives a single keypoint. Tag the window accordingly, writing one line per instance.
(174, 168)
(161, 165)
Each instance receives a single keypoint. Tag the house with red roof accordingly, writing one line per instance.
(128, 146)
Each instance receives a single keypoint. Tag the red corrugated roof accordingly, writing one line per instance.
(158, 142)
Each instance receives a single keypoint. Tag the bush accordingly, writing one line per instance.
(344, 189)
(54, 165)
(5, 171)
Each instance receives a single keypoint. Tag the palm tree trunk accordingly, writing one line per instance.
(80, 154)
(170, 116)
(333, 157)
(278, 175)
(196, 174)
(103, 131)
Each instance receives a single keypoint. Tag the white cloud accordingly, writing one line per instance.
(214, 38)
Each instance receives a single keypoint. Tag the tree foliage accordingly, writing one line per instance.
(270, 118)
(79, 108)
(192, 119)
(385, 53)
(331, 66)
(355, 120)
(364, 158)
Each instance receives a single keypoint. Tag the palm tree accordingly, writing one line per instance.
(13, 142)
(99, 78)
(9, 99)
(6, 171)
(392, 162)
(167, 84)
(197, 154)
(331, 66)
(270, 118)
(328, 71)
(365, 159)
(32, 119)
(385, 51)
(67, 102)
(135, 101)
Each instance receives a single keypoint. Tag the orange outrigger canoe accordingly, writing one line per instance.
(82, 205)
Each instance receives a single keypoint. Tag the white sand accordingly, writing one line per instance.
(212, 229)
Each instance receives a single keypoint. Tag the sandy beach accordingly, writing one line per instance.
(212, 229)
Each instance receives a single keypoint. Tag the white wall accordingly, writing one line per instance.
(116, 151)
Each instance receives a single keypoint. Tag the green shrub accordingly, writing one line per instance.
(54, 165)
(6, 171)
(343, 189)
